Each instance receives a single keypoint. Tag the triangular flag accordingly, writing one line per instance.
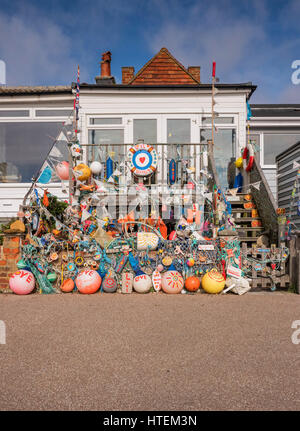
(296, 165)
(55, 152)
(62, 137)
(116, 173)
(110, 179)
(233, 192)
(46, 175)
(85, 215)
(256, 185)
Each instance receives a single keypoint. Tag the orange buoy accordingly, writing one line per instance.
(68, 285)
(192, 284)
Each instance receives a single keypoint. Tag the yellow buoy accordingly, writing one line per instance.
(85, 171)
(213, 281)
(239, 162)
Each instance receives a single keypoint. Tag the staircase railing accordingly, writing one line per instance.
(264, 201)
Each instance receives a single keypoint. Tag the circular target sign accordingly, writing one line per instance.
(142, 160)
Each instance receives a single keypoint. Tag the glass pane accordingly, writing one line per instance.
(217, 120)
(275, 144)
(178, 131)
(15, 113)
(105, 140)
(146, 130)
(53, 112)
(255, 141)
(23, 149)
(106, 120)
(224, 154)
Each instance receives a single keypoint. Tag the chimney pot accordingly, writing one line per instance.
(105, 64)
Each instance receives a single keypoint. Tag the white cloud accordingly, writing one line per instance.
(35, 52)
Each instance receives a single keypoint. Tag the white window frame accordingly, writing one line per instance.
(30, 119)
(262, 146)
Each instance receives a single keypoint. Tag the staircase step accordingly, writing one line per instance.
(246, 219)
(250, 229)
(248, 239)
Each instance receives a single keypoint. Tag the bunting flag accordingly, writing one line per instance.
(76, 101)
(256, 185)
(46, 174)
(85, 215)
(233, 192)
(249, 113)
(296, 165)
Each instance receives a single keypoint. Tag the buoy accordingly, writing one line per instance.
(88, 281)
(109, 285)
(142, 283)
(22, 282)
(85, 171)
(192, 284)
(96, 167)
(62, 170)
(68, 285)
(213, 282)
(172, 282)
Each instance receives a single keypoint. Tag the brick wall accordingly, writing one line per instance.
(9, 256)
(127, 74)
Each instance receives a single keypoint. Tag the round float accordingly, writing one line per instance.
(213, 282)
(109, 285)
(88, 281)
(172, 282)
(62, 170)
(192, 284)
(68, 285)
(142, 283)
(22, 282)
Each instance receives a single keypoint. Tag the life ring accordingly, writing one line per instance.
(248, 152)
(142, 160)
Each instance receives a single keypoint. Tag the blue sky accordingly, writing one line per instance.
(42, 42)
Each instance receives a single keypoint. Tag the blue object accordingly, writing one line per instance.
(109, 168)
(45, 176)
(172, 172)
(249, 113)
(238, 182)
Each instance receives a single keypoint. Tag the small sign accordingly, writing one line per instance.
(263, 250)
(232, 271)
(206, 247)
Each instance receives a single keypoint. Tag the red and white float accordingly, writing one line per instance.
(142, 160)
(88, 281)
(172, 282)
(22, 282)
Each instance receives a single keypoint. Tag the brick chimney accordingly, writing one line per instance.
(195, 72)
(105, 78)
(127, 74)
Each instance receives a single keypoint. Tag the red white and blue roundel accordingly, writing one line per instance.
(142, 160)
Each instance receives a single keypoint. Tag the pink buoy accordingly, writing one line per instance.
(22, 282)
(88, 281)
(62, 170)
(172, 282)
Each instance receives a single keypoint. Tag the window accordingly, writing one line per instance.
(14, 113)
(104, 121)
(178, 131)
(224, 154)
(53, 112)
(275, 143)
(217, 120)
(146, 130)
(105, 141)
(24, 147)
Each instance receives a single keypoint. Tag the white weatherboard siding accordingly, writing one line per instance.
(270, 175)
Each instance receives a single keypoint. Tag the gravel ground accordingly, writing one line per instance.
(150, 352)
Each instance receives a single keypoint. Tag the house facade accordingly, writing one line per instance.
(164, 104)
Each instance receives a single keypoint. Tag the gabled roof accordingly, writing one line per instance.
(162, 69)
